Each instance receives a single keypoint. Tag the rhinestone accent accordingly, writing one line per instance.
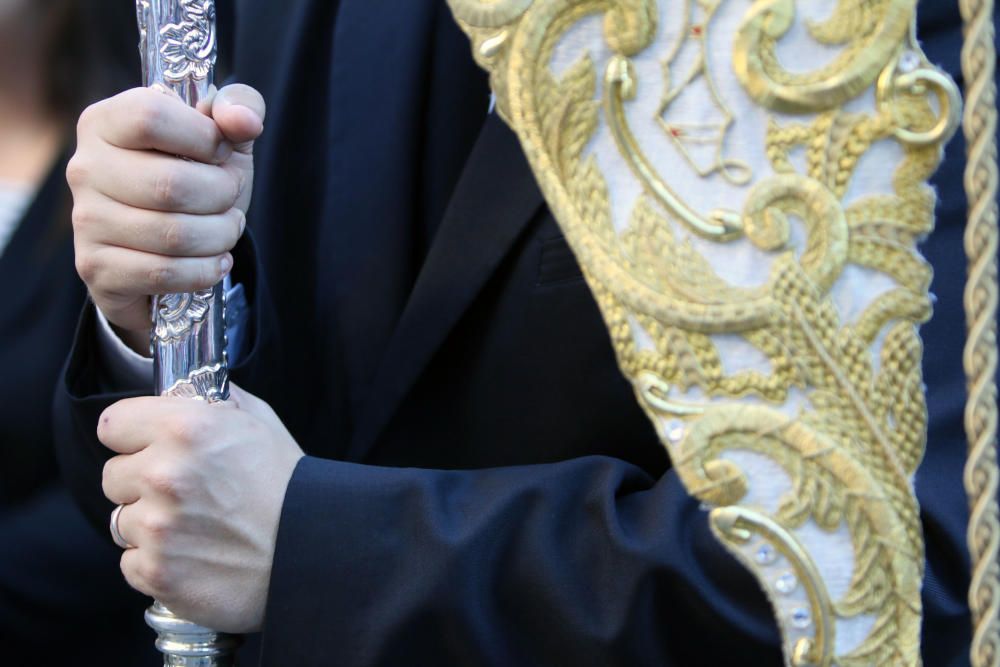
(909, 61)
(765, 555)
(675, 430)
(800, 618)
(786, 583)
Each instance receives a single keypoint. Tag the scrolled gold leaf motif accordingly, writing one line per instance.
(872, 31)
(834, 402)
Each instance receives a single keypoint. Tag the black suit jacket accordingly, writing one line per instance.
(488, 492)
(58, 578)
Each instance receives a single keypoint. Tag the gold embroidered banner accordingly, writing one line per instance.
(744, 186)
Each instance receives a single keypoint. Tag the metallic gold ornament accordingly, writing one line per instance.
(762, 301)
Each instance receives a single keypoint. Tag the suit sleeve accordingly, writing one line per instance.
(590, 561)
(585, 562)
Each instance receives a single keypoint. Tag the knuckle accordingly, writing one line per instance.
(159, 526)
(86, 119)
(129, 566)
(167, 189)
(106, 483)
(126, 566)
(156, 575)
(233, 228)
(176, 237)
(147, 121)
(83, 217)
(77, 172)
(166, 481)
(207, 275)
(189, 429)
(160, 277)
(87, 267)
(107, 478)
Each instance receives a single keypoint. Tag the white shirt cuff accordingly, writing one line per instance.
(123, 365)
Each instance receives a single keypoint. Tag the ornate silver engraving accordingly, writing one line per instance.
(179, 312)
(188, 48)
(200, 384)
(177, 42)
(189, 344)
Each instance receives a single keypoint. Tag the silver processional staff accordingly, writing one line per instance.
(188, 340)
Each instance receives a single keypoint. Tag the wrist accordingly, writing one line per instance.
(136, 340)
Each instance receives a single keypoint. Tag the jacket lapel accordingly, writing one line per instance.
(493, 202)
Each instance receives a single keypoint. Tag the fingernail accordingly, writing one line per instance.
(249, 114)
(222, 153)
(226, 263)
(243, 222)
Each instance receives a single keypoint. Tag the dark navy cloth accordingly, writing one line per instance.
(60, 585)
(482, 488)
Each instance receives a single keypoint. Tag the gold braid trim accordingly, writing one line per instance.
(981, 474)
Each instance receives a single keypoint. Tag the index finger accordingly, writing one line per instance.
(131, 425)
(148, 119)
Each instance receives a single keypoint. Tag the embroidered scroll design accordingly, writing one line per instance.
(835, 403)
(871, 30)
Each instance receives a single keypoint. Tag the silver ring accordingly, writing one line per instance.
(116, 534)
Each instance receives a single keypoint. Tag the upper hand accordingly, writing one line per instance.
(204, 486)
(160, 193)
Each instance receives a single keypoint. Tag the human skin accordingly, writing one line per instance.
(203, 485)
(160, 196)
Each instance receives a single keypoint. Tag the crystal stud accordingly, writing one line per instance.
(909, 62)
(675, 430)
(800, 618)
(786, 583)
(765, 554)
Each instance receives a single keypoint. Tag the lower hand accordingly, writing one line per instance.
(203, 487)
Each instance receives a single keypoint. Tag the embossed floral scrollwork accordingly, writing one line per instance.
(870, 33)
(188, 47)
(177, 314)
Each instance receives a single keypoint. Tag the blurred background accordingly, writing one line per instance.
(62, 598)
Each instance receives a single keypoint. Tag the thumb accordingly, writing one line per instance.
(239, 112)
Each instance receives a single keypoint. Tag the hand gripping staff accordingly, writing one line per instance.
(188, 340)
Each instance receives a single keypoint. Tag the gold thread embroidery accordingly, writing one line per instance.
(847, 428)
